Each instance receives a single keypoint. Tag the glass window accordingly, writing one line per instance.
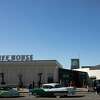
(47, 86)
(58, 86)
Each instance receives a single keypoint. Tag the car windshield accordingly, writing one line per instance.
(50, 86)
(47, 86)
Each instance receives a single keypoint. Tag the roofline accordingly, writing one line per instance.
(33, 62)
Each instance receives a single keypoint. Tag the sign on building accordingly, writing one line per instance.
(7, 58)
(75, 64)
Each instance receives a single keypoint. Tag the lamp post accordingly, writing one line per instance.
(40, 76)
(2, 78)
(20, 76)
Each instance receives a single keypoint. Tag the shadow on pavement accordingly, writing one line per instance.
(78, 96)
(11, 96)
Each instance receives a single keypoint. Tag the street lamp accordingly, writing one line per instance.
(20, 76)
(40, 76)
(2, 78)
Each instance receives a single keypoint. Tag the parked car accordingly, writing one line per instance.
(53, 89)
(6, 91)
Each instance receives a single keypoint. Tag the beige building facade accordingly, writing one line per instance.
(29, 71)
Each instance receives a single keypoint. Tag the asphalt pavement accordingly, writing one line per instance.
(84, 96)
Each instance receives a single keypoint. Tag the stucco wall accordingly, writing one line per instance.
(29, 71)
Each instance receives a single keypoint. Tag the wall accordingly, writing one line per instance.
(29, 71)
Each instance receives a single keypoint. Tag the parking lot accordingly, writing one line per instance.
(85, 96)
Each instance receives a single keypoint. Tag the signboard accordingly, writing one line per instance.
(16, 58)
(74, 63)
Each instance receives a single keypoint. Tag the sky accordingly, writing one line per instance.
(51, 30)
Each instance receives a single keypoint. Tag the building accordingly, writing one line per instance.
(78, 78)
(23, 72)
(93, 73)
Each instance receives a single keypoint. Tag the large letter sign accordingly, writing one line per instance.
(16, 58)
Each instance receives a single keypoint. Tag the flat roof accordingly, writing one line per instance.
(33, 62)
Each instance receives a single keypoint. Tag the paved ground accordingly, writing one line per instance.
(86, 96)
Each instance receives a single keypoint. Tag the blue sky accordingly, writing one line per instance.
(51, 29)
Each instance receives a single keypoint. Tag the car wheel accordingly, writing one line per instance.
(58, 96)
(35, 94)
